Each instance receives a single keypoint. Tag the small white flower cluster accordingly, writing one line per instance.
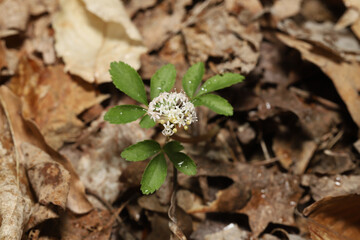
(172, 110)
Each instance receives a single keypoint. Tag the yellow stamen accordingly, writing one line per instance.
(174, 130)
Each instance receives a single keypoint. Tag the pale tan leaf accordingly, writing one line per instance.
(14, 15)
(27, 131)
(15, 204)
(53, 100)
(90, 35)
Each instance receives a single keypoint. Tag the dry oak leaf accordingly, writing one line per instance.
(15, 200)
(335, 218)
(53, 100)
(344, 75)
(272, 200)
(90, 34)
(27, 131)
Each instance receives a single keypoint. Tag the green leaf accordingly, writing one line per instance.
(141, 150)
(127, 80)
(124, 114)
(173, 146)
(182, 162)
(219, 82)
(147, 122)
(154, 174)
(162, 81)
(192, 78)
(215, 103)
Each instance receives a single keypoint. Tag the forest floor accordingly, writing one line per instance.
(286, 165)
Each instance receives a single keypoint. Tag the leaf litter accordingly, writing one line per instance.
(285, 166)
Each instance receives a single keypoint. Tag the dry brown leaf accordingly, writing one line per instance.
(157, 24)
(218, 34)
(132, 7)
(354, 9)
(293, 149)
(98, 161)
(94, 225)
(322, 187)
(37, 7)
(15, 197)
(343, 74)
(335, 218)
(90, 34)
(40, 214)
(273, 195)
(341, 43)
(14, 15)
(48, 178)
(53, 100)
(27, 131)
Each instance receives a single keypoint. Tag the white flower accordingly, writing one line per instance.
(172, 110)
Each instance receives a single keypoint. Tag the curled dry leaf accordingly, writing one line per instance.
(48, 178)
(335, 218)
(15, 207)
(90, 34)
(39, 214)
(27, 131)
(343, 74)
(354, 9)
(53, 100)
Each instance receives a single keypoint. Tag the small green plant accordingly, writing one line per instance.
(173, 110)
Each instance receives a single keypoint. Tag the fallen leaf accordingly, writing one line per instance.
(27, 131)
(343, 74)
(48, 178)
(294, 149)
(341, 43)
(335, 218)
(222, 41)
(333, 162)
(282, 9)
(41, 40)
(230, 232)
(321, 187)
(273, 195)
(9, 59)
(354, 8)
(94, 225)
(14, 15)
(53, 100)
(132, 7)
(15, 197)
(40, 214)
(89, 35)
(159, 23)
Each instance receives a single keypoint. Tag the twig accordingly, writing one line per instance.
(174, 228)
(265, 150)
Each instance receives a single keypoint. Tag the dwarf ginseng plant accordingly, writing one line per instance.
(173, 110)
